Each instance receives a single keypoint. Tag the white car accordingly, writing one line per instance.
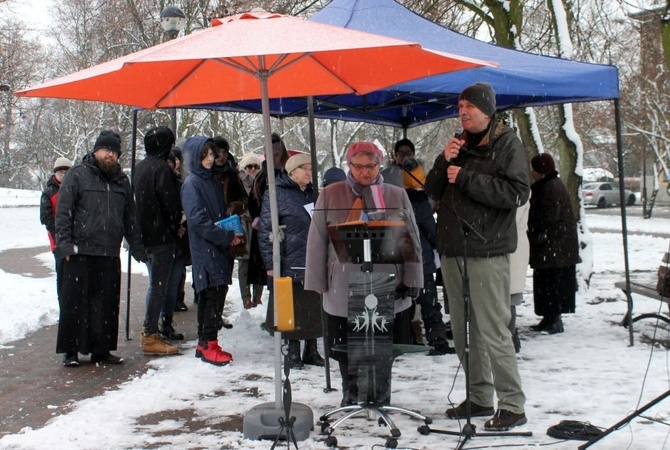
(603, 194)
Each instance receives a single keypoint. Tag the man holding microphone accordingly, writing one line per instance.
(478, 181)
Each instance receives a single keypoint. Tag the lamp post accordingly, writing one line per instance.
(173, 20)
(4, 87)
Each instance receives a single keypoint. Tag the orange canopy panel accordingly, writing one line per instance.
(225, 63)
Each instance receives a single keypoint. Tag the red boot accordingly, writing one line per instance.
(212, 353)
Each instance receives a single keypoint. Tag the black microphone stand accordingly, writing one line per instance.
(469, 430)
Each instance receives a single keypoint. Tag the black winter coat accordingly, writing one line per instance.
(552, 228)
(158, 201)
(95, 213)
(493, 182)
(425, 221)
(291, 201)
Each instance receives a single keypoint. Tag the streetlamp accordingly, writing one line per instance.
(173, 20)
(4, 87)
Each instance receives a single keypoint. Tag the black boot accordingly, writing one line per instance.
(517, 341)
(294, 354)
(556, 325)
(310, 354)
(349, 387)
(167, 330)
(544, 323)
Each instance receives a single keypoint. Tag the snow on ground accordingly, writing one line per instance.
(589, 373)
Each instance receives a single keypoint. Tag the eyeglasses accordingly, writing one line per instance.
(252, 167)
(363, 166)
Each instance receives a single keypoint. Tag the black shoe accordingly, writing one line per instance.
(544, 323)
(294, 355)
(180, 306)
(555, 327)
(517, 341)
(442, 349)
(223, 323)
(71, 360)
(167, 331)
(106, 359)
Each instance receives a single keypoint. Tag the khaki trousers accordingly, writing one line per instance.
(493, 365)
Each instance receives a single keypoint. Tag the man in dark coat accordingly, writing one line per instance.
(95, 212)
(479, 181)
(158, 214)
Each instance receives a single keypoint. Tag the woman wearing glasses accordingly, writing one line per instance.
(294, 193)
(363, 196)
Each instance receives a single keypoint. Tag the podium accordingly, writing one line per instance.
(370, 349)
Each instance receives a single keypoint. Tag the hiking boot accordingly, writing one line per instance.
(310, 354)
(71, 360)
(504, 420)
(210, 352)
(106, 358)
(155, 345)
(476, 410)
(201, 346)
(167, 330)
(442, 348)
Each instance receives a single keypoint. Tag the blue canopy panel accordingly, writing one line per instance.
(522, 79)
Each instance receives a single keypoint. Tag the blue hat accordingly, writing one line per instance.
(333, 175)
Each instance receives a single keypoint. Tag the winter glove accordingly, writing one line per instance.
(236, 208)
(403, 291)
(140, 256)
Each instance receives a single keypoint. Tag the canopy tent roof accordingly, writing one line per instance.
(522, 79)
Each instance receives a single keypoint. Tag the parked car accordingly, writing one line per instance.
(603, 194)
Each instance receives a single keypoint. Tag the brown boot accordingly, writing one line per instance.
(155, 345)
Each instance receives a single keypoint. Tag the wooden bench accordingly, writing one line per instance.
(647, 290)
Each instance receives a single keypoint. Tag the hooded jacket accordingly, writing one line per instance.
(157, 197)
(493, 181)
(94, 213)
(202, 199)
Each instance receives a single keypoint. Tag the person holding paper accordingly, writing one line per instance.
(296, 197)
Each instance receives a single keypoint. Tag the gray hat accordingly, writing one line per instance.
(482, 96)
(62, 164)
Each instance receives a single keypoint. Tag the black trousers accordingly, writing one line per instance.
(210, 302)
(89, 304)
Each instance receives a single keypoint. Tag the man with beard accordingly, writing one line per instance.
(95, 212)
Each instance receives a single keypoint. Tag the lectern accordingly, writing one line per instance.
(370, 320)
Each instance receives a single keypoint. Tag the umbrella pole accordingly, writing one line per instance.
(133, 148)
(278, 419)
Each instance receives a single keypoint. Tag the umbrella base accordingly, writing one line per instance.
(262, 421)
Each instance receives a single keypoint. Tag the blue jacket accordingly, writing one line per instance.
(291, 212)
(202, 200)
